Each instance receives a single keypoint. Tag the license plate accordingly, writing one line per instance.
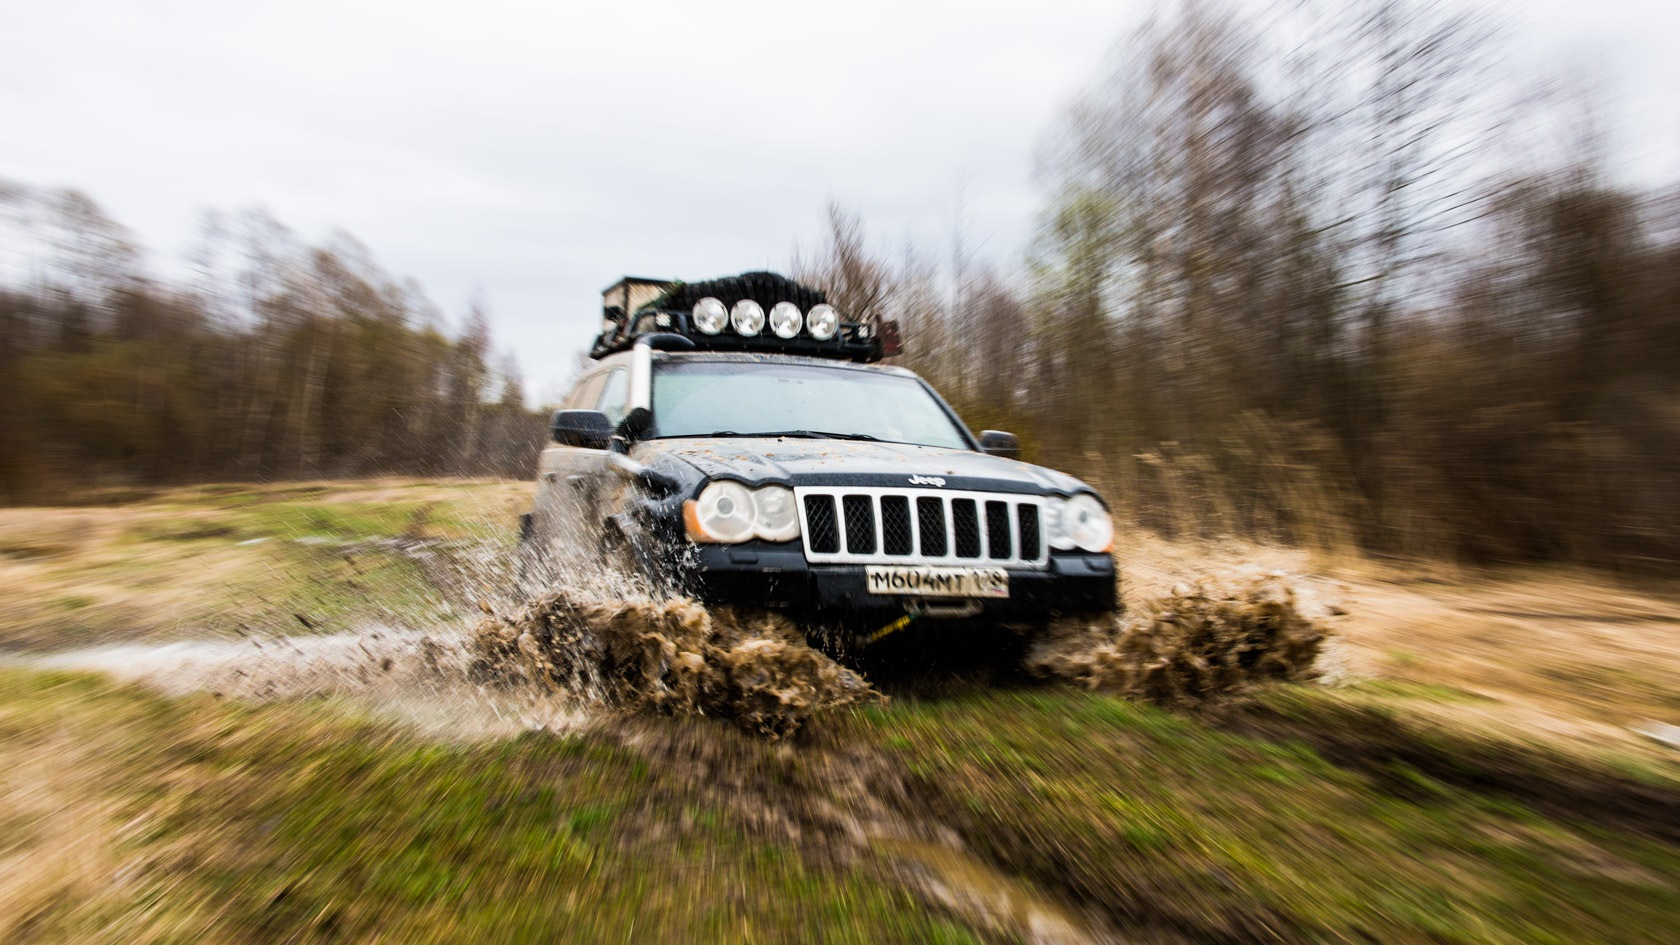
(938, 582)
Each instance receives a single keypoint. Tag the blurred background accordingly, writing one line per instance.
(1364, 315)
(1391, 275)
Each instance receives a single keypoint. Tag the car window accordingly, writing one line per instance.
(615, 395)
(587, 393)
(704, 398)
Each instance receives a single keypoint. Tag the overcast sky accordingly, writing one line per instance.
(532, 152)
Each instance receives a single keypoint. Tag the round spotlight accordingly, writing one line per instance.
(785, 319)
(822, 322)
(710, 316)
(747, 317)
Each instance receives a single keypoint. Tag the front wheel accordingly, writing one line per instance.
(635, 570)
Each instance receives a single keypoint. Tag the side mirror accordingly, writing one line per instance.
(999, 443)
(589, 429)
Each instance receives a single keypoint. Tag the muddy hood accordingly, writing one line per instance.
(802, 462)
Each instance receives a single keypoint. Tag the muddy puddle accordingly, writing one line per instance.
(416, 679)
(969, 887)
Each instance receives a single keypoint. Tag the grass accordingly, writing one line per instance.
(283, 823)
(1376, 812)
(216, 559)
(279, 824)
(1165, 821)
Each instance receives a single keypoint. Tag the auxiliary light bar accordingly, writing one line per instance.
(759, 312)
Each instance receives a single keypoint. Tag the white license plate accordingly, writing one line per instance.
(938, 582)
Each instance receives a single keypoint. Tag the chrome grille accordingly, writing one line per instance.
(869, 525)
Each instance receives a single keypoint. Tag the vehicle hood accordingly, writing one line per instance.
(802, 462)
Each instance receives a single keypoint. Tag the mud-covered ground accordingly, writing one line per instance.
(326, 712)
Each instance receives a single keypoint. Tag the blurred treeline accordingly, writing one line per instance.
(266, 358)
(1328, 274)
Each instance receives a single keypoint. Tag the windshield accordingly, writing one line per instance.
(727, 398)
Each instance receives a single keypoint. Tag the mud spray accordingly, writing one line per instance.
(598, 641)
(668, 656)
(1201, 642)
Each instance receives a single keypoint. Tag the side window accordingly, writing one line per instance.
(585, 394)
(614, 395)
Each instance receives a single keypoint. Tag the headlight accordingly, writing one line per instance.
(723, 513)
(822, 322)
(777, 517)
(727, 513)
(747, 317)
(710, 315)
(1079, 522)
(785, 319)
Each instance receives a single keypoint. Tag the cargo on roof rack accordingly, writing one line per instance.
(761, 312)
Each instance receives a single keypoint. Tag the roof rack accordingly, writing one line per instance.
(729, 314)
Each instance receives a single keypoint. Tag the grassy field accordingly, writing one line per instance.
(1472, 777)
(209, 560)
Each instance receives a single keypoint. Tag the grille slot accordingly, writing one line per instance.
(999, 546)
(822, 534)
(895, 525)
(880, 525)
(965, 521)
(1031, 545)
(930, 522)
(860, 524)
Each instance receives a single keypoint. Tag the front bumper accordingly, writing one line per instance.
(767, 574)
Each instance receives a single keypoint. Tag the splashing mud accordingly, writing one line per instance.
(671, 656)
(1194, 645)
(419, 679)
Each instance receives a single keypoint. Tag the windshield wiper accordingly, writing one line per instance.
(821, 435)
(800, 434)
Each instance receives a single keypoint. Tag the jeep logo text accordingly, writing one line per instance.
(927, 481)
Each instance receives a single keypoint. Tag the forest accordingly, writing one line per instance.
(1332, 275)
(274, 360)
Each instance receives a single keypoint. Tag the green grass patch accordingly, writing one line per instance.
(1213, 834)
(280, 824)
(1416, 691)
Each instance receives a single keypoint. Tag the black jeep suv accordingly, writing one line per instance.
(736, 441)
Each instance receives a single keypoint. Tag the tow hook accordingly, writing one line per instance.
(890, 628)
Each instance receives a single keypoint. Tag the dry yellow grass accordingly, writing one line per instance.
(1566, 658)
(172, 564)
(65, 569)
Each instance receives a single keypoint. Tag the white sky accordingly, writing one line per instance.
(535, 151)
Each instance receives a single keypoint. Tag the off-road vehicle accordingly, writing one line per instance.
(737, 440)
